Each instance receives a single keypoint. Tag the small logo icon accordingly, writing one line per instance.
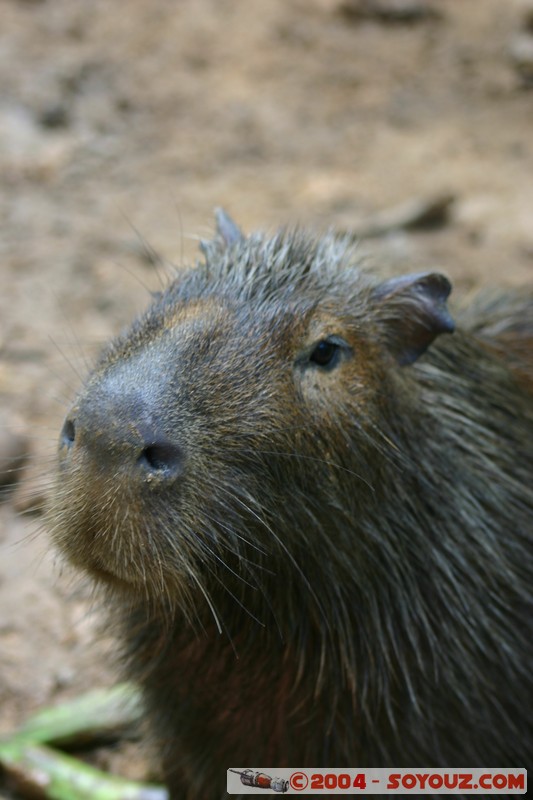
(261, 781)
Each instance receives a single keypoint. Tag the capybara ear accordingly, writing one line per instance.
(227, 230)
(411, 310)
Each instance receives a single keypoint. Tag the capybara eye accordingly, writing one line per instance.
(326, 354)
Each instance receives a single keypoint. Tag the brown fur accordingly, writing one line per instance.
(312, 562)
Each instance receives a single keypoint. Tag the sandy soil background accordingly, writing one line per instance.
(126, 123)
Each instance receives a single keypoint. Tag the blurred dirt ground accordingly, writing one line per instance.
(126, 123)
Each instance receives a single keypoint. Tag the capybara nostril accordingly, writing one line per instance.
(162, 457)
(68, 433)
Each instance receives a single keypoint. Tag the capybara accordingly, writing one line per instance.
(305, 491)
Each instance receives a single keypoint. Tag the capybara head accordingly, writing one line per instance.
(255, 389)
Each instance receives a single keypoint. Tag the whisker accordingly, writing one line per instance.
(280, 542)
(233, 531)
(246, 610)
(315, 459)
(151, 255)
(67, 361)
(198, 583)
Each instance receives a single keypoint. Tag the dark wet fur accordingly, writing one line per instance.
(343, 574)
